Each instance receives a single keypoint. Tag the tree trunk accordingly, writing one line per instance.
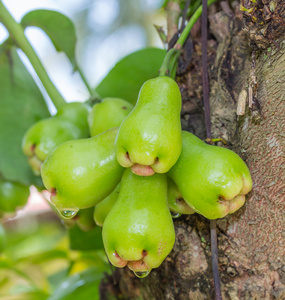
(247, 71)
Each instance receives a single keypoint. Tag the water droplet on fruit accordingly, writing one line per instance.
(175, 215)
(68, 213)
(142, 274)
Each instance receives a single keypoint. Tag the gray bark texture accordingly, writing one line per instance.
(247, 74)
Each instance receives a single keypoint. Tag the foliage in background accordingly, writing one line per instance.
(22, 105)
(40, 259)
(37, 263)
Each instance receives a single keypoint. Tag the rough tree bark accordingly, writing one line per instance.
(246, 67)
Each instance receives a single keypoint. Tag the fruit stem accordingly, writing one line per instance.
(169, 63)
(16, 31)
(92, 92)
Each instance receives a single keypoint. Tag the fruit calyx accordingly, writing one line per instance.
(233, 204)
(142, 170)
(134, 265)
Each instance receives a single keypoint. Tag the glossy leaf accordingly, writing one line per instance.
(21, 105)
(79, 286)
(128, 75)
(58, 27)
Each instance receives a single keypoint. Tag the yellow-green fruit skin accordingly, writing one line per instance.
(77, 113)
(103, 208)
(45, 135)
(176, 202)
(68, 124)
(211, 179)
(108, 114)
(151, 134)
(81, 173)
(139, 227)
(12, 196)
(84, 219)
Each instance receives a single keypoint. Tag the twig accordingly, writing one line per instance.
(205, 71)
(184, 15)
(214, 251)
(214, 244)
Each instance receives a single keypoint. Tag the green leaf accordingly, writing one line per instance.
(79, 286)
(21, 105)
(58, 27)
(85, 241)
(129, 74)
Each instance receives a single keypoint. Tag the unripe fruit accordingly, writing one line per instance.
(108, 114)
(149, 140)
(103, 208)
(176, 203)
(69, 123)
(81, 173)
(212, 180)
(138, 230)
(84, 219)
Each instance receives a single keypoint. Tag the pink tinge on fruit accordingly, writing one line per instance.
(224, 206)
(33, 147)
(231, 206)
(53, 192)
(184, 206)
(125, 160)
(117, 261)
(236, 203)
(247, 186)
(142, 170)
(138, 266)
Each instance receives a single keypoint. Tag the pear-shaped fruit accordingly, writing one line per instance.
(77, 113)
(149, 139)
(12, 196)
(44, 136)
(103, 208)
(211, 179)
(84, 219)
(81, 173)
(138, 230)
(176, 203)
(68, 124)
(108, 114)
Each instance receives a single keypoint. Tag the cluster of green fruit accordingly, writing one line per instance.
(121, 170)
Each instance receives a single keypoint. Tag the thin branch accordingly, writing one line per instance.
(215, 267)
(184, 15)
(184, 35)
(205, 71)
(207, 112)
